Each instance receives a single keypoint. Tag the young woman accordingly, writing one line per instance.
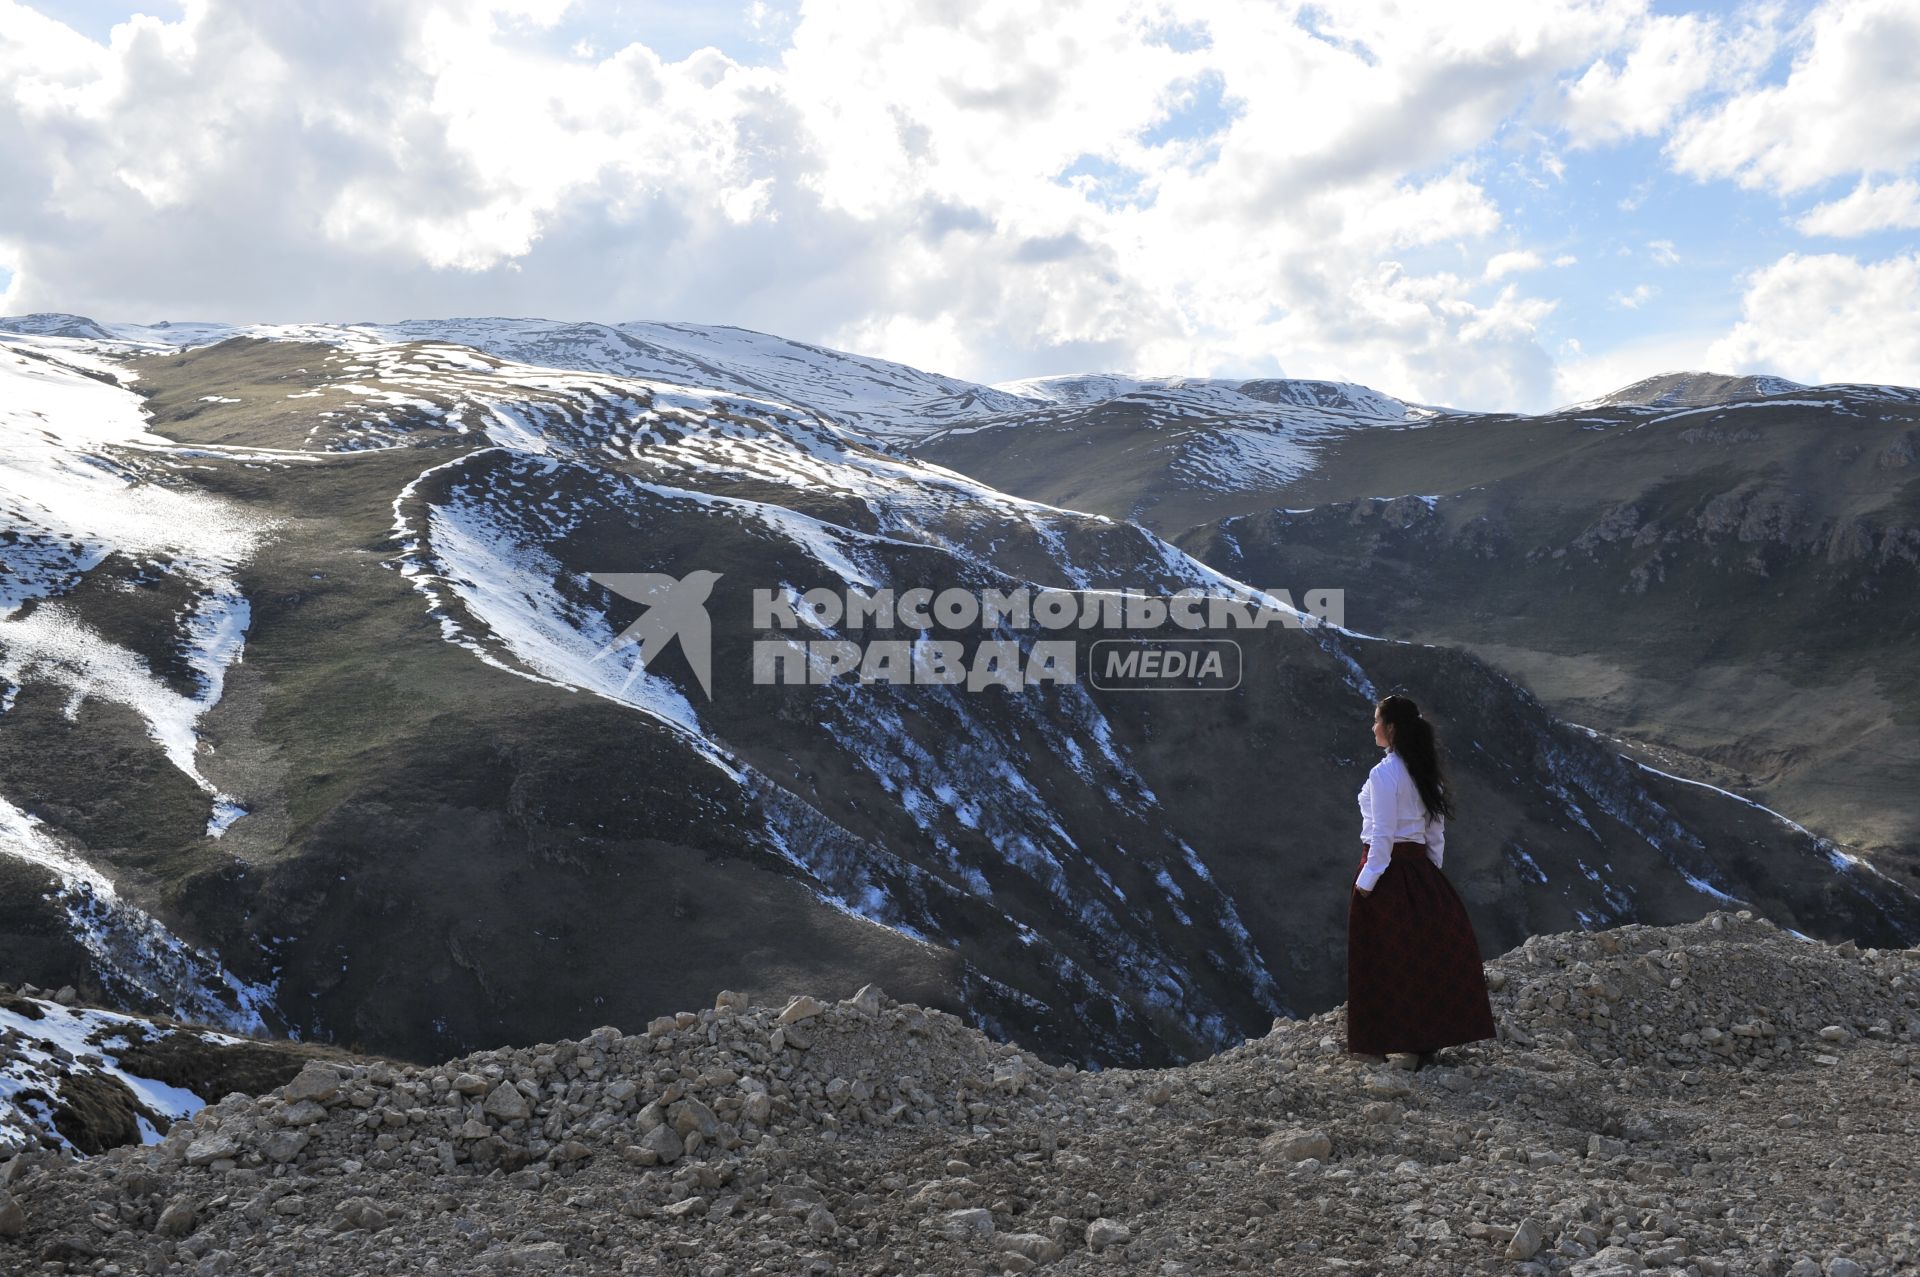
(1414, 980)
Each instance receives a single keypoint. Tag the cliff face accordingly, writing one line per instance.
(1719, 1097)
(1729, 589)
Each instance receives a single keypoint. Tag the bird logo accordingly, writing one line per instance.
(676, 608)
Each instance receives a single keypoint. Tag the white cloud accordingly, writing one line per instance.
(1297, 190)
(1663, 252)
(1847, 107)
(1635, 297)
(1829, 317)
(891, 183)
(1869, 207)
(1510, 262)
(1565, 259)
(1670, 60)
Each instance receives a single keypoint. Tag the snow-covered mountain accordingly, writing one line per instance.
(1165, 451)
(1701, 390)
(1080, 390)
(1690, 390)
(877, 397)
(309, 663)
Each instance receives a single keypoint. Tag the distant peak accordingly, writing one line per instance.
(1087, 388)
(53, 324)
(1691, 390)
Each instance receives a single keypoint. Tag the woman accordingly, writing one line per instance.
(1414, 980)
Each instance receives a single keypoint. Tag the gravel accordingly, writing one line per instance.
(1709, 1099)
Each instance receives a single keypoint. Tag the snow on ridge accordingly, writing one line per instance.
(482, 540)
(683, 441)
(509, 584)
(1869, 390)
(1072, 389)
(1841, 861)
(53, 644)
(1857, 873)
(878, 397)
(132, 951)
(1255, 395)
(875, 396)
(837, 380)
(1707, 392)
(77, 331)
(1218, 435)
(65, 1041)
(71, 502)
(1739, 405)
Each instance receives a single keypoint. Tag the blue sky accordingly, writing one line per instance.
(1523, 204)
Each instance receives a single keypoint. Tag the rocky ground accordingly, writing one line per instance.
(1714, 1098)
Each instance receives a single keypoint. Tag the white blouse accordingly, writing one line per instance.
(1391, 812)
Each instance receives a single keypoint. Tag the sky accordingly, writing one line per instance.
(1493, 206)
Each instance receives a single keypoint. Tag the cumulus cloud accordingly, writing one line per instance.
(1829, 317)
(991, 190)
(1847, 107)
(1669, 61)
(1509, 263)
(911, 178)
(1869, 207)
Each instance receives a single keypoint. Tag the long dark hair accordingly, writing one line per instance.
(1414, 741)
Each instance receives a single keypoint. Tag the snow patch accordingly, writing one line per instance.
(132, 952)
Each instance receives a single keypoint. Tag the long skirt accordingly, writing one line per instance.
(1414, 979)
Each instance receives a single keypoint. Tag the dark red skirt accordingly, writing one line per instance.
(1414, 979)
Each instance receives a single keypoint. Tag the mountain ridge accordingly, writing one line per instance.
(423, 786)
(529, 335)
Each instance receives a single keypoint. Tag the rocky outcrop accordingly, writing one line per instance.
(1899, 454)
(94, 1079)
(1715, 1098)
(1755, 529)
(1623, 522)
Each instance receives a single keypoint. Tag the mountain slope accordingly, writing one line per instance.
(414, 790)
(1165, 453)
(1730, 589)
